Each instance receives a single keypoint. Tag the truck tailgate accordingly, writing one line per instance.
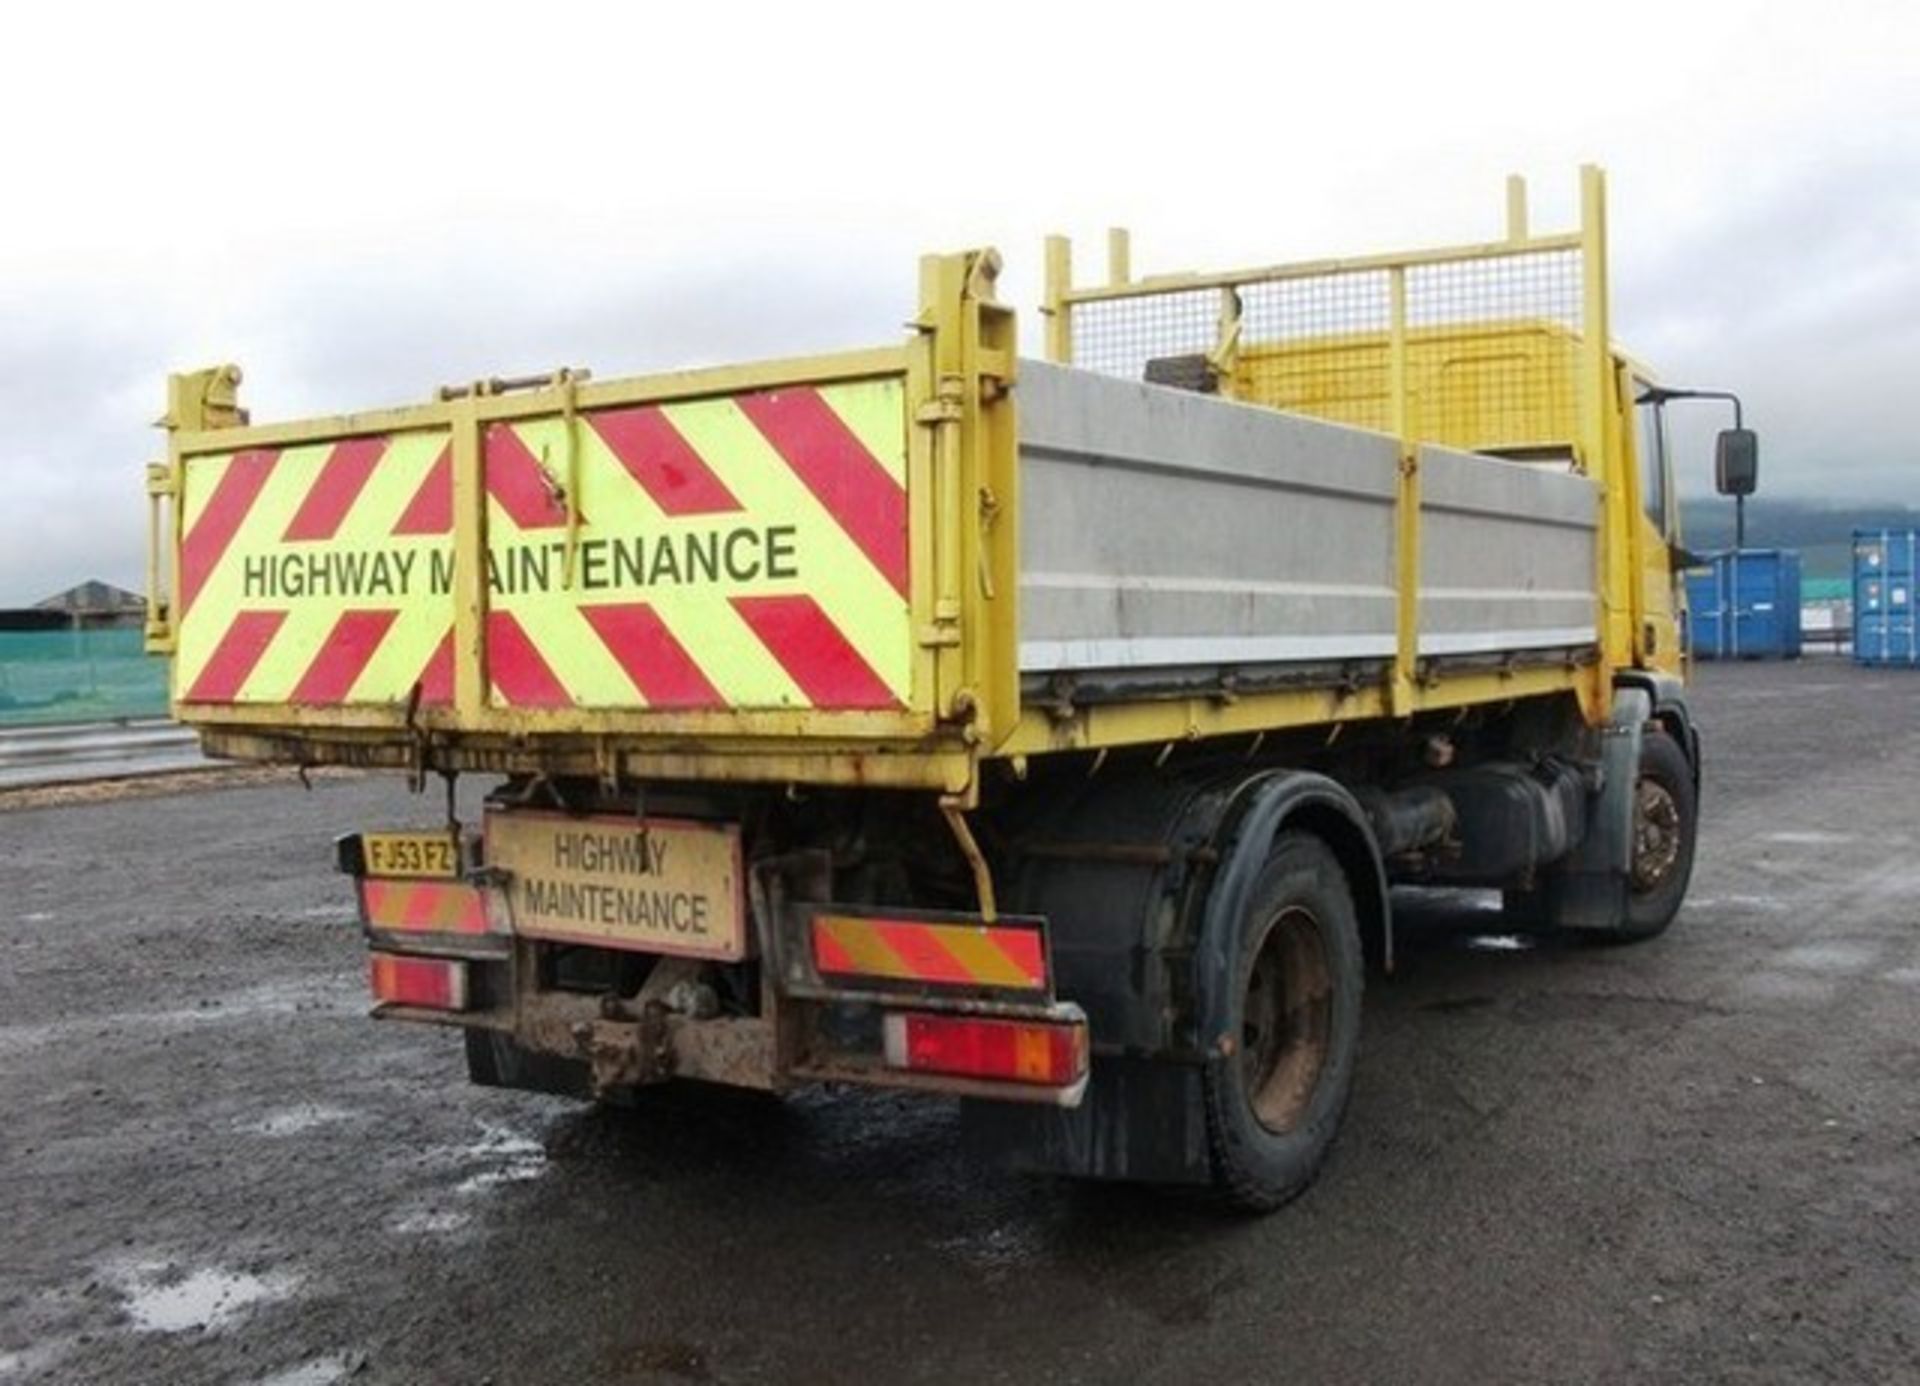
(747, 551)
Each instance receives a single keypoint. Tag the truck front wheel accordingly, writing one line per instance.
(1666, 817)
(1281, 1072)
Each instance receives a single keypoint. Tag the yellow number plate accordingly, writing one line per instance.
(410, 854)
(659, 886)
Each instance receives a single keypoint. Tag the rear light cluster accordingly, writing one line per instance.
(1008, 1051)
(438, 984)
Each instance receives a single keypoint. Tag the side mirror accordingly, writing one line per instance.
(1736, 462)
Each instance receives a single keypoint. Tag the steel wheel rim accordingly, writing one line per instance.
(1656, 835)
(1286, 1019)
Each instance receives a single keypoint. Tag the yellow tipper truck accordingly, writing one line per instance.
(1046, 733)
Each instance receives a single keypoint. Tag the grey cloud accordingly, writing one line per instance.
(1800, 293)
(75, 393)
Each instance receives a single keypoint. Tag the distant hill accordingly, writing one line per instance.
(1822, 531)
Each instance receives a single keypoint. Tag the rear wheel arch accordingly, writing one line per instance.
(1268, 807)
(1300, 801)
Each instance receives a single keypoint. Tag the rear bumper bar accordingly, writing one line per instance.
(931, 1001)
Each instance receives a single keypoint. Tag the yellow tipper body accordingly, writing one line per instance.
(808, 571)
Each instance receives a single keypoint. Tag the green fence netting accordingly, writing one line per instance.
(78, 676)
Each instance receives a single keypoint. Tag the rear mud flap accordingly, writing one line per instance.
(1140, 1120)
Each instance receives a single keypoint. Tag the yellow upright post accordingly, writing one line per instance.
(197, 401)
(976, 480)
(1602, 458)
(1119, 257)
(1407, 503)
(1516, 208)
(470, 694)
(1055, 306)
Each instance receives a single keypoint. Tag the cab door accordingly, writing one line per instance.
(1662, 596)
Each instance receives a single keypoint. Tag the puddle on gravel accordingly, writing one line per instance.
(34, 1358)
(994, 1249)
(507, 1156)
(431, 1223)
(1736, 902)
(1831, 957)
(1499, 943)
(320, 1371)
(497, 1156)
(294, 1121)
(515, 1172)
(161, 1298)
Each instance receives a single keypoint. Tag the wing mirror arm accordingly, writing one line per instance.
(1736, 452)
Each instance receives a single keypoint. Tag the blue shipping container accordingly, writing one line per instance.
(1745, 605)
(1883, 575)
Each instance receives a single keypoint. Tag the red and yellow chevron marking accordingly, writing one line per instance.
(317, 575)
(422, 907)
(745, 552)
(910, 950)
(741, 552)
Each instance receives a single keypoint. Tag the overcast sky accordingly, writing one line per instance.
(365, 201)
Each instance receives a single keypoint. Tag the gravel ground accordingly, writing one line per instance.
(1698, 1159)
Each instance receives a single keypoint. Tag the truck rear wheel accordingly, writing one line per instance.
(1666, 817)
(1277, 1087)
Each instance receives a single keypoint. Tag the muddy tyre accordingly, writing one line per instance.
(1666, 819)
(1274, 1101)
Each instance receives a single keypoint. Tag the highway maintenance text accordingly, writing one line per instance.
(743, 554)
